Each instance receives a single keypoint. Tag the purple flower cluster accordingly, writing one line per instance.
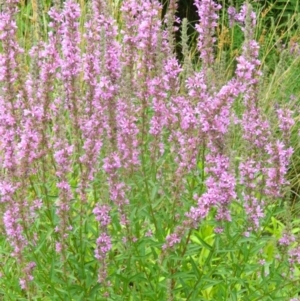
(220, 190)
(208, 13)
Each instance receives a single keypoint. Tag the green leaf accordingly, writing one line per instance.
(198, 240)
(195, 268)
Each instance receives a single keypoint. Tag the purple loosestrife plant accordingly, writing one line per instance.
(63, 149)
(18, 142)
(120, 174)
(103, 242)
(213, 112)
(70, 63)
(262, 150)
(101, 71)
(208, 14)
(9, 77)
(141, 37)
(255, 130)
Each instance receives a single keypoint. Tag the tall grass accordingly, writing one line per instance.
(128, 175)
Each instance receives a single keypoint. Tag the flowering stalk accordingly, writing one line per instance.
(9, 77)
(141, 36)
(70, 63)
(67, 69)
(256, 131)
(103, 242)
(63, 152)
(207, 11)
(16, 153)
